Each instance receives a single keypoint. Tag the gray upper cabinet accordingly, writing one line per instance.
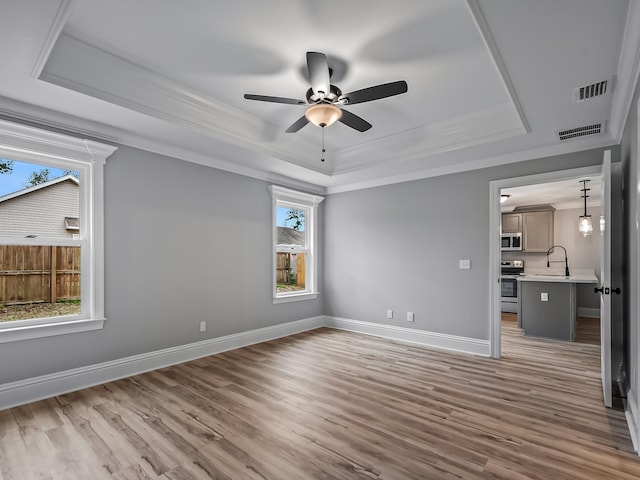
(537, 231)
(511, 223)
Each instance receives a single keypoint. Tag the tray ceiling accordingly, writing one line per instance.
(490, 82)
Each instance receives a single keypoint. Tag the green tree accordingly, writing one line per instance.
(70, 172)
(38, 177)
(297, 216)
(6, 166)
(44, 175)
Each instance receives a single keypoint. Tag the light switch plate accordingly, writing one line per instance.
(544, 297)
(465, 265)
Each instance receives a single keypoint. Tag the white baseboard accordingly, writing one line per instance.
(422, 337)
(46, 386)
(588, 312)
(631, 414)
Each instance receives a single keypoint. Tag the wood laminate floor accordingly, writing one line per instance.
(329, 404)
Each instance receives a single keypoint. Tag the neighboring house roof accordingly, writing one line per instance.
(40, 186)
(50, 209)
(290, 237)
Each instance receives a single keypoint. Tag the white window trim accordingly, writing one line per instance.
(281, 194)
(30, 144)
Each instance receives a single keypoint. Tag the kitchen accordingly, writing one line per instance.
(548, 267)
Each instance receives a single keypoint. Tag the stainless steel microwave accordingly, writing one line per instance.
(511, 241)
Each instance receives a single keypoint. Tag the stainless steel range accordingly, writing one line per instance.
(510, 270)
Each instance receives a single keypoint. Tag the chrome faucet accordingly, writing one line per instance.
(566, 262)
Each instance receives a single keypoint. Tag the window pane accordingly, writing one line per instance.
(291, 228)
(39, 281)
(291, 271)
(38, 201)
(291, 248)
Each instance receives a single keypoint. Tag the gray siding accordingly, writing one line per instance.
(41, 212)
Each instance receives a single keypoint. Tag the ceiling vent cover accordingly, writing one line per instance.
(587, 92)
(593, 129)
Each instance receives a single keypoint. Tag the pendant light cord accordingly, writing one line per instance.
(585, 190)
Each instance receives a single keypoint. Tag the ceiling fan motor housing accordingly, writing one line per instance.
(331, 97)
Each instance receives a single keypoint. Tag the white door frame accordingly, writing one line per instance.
(494, 233)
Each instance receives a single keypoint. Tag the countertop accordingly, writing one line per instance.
(580, 275)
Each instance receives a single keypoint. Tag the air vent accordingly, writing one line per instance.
(592, 129)
(587, 92)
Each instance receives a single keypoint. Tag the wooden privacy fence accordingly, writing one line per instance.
(39, 273)
(289, 264)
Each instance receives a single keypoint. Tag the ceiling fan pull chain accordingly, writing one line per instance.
(323, 149)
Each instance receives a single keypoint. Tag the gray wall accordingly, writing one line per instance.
(183, 243)
(629, 155)
(397, 247)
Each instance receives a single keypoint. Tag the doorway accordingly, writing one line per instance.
(495, 217)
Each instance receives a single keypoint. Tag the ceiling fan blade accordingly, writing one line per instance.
(297, 125)
(318, 72)
(354, 121)
(376, 92)
(266, 98)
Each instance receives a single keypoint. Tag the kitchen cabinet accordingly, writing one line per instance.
(547, 305)
(511, 223)
(537, 231)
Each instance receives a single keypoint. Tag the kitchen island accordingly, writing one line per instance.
(547, 304)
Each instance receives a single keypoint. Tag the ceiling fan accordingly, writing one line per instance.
(325, 101)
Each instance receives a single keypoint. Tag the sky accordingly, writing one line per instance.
(281, 215)
(16, 180)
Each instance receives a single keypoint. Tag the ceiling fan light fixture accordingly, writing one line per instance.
(323, 114)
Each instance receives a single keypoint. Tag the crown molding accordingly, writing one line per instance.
(479, 127)
(58, 23)
(628, 72)
(601, 141)
(490, 43)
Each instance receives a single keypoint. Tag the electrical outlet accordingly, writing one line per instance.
(464, 264)
(544, 297)
(389, 314)
(203, 326)
(409, 316)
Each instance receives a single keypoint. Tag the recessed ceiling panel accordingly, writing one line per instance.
(193, 62)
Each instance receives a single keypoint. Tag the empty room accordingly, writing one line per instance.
(319, 240)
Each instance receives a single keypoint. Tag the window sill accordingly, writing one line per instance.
(295, 297)
(26, 332)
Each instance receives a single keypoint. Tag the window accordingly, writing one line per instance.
(294, 245)
(51, 233)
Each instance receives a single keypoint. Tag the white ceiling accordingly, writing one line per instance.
(560, 194)
(490, 81)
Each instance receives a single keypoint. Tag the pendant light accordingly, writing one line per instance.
(585, 227)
